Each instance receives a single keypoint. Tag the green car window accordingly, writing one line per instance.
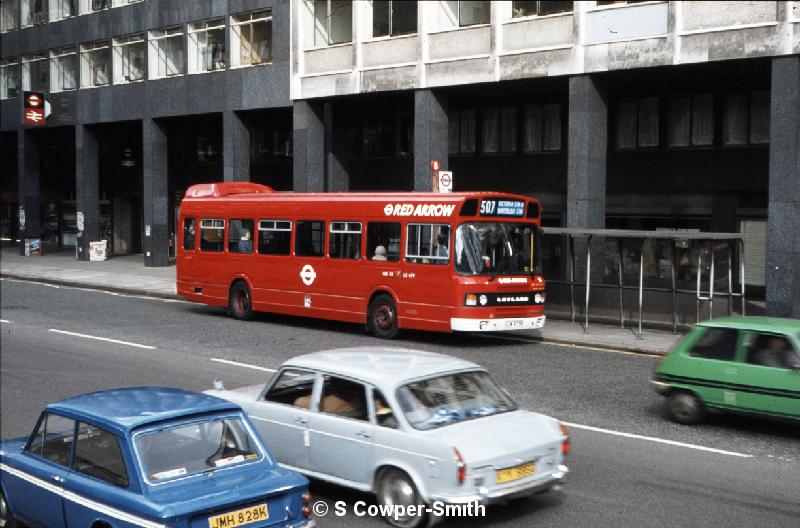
(769, 350)
(716, 343)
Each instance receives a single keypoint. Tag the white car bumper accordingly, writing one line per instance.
(460, 324)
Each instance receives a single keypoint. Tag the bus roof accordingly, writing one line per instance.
(391, 204)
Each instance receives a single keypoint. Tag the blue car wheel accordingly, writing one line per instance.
(6, 520)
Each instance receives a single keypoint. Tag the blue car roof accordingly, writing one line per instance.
(125, 409)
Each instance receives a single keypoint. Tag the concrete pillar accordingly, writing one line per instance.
(156, 194)
(308, 139)
(235, 148)
(337, 154)
(28, 170)
(587, 147)
(783, 225)
(431, 124)
(87, 188)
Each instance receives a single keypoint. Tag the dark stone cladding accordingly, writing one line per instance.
(263, 86)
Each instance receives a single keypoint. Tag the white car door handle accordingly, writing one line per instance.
(363, 434)
(300, 420)
(57, 478)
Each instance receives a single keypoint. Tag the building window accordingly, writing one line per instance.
(121, 3)
(129, 61)
(9, 78)
(207, 46)
(333, 22)
(95, 64)
(63, 69)
(467, 131)
(90, 6)
(166, 52)
(33, 12)
(390, 18)
(60, 9)
(466, 13)
(531, 8)
(8, 15)
(35, 73)
(251, 38)
(541, 128)
(691, 121)
(637, 123)
(499, 130)
(745, 120)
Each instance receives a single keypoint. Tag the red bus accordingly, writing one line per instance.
(429, 261)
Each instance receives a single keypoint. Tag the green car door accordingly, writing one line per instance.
(769, 375)
(705, 365)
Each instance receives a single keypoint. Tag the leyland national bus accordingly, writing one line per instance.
(429, 261)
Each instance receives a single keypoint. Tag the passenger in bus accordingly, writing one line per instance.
(443, 243)
(380, 254)
(245, 243)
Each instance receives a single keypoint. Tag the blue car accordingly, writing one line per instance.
(147, 457)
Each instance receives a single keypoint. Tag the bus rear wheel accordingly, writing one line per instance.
(240, 303)
(383, 317)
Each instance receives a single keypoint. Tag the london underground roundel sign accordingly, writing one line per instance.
(307, 274)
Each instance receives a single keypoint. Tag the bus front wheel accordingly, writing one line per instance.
(240, 303)
(383, 317)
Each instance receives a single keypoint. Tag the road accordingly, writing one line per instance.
(630, 465)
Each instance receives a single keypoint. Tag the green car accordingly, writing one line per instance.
(739, 364)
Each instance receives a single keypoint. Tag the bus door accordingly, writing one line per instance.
(275, 278)
(207, 264)
(426, 282)
(342, 285)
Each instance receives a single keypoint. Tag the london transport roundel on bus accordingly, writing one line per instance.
(307, 274)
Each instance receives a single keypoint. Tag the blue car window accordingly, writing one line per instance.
(53, 439)
(199, 447)
(97, 454)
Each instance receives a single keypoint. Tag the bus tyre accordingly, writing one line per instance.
(685, 408)
(395, 488)
(240, 303)
(383, 317)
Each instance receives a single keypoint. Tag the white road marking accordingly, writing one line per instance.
(4, 321)
(658, 440)
(117, 294)
(117, 341)
(243, 365)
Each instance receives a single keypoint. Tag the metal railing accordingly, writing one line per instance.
(734, 242)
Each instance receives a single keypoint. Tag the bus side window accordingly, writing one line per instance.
(428, 243)
(240, 236)
(309, 238)
(188, 233)
(212, 233)
(274, 237)
(383, 241)
(345, 241)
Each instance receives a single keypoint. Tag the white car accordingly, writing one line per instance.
(415, 428)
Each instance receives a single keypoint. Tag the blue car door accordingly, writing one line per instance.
(36, 482)
(98, 488)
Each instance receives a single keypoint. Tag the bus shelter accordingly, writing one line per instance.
(719, 251)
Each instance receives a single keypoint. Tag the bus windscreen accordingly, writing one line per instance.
(495, 248)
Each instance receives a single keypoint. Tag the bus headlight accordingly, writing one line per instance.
(538, 298)
(483, 300)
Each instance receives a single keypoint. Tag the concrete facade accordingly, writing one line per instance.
(576, 107)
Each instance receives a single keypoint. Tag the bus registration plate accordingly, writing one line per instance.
(239, 517)
(514, 323)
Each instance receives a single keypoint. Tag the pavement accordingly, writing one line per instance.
(127, 274)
